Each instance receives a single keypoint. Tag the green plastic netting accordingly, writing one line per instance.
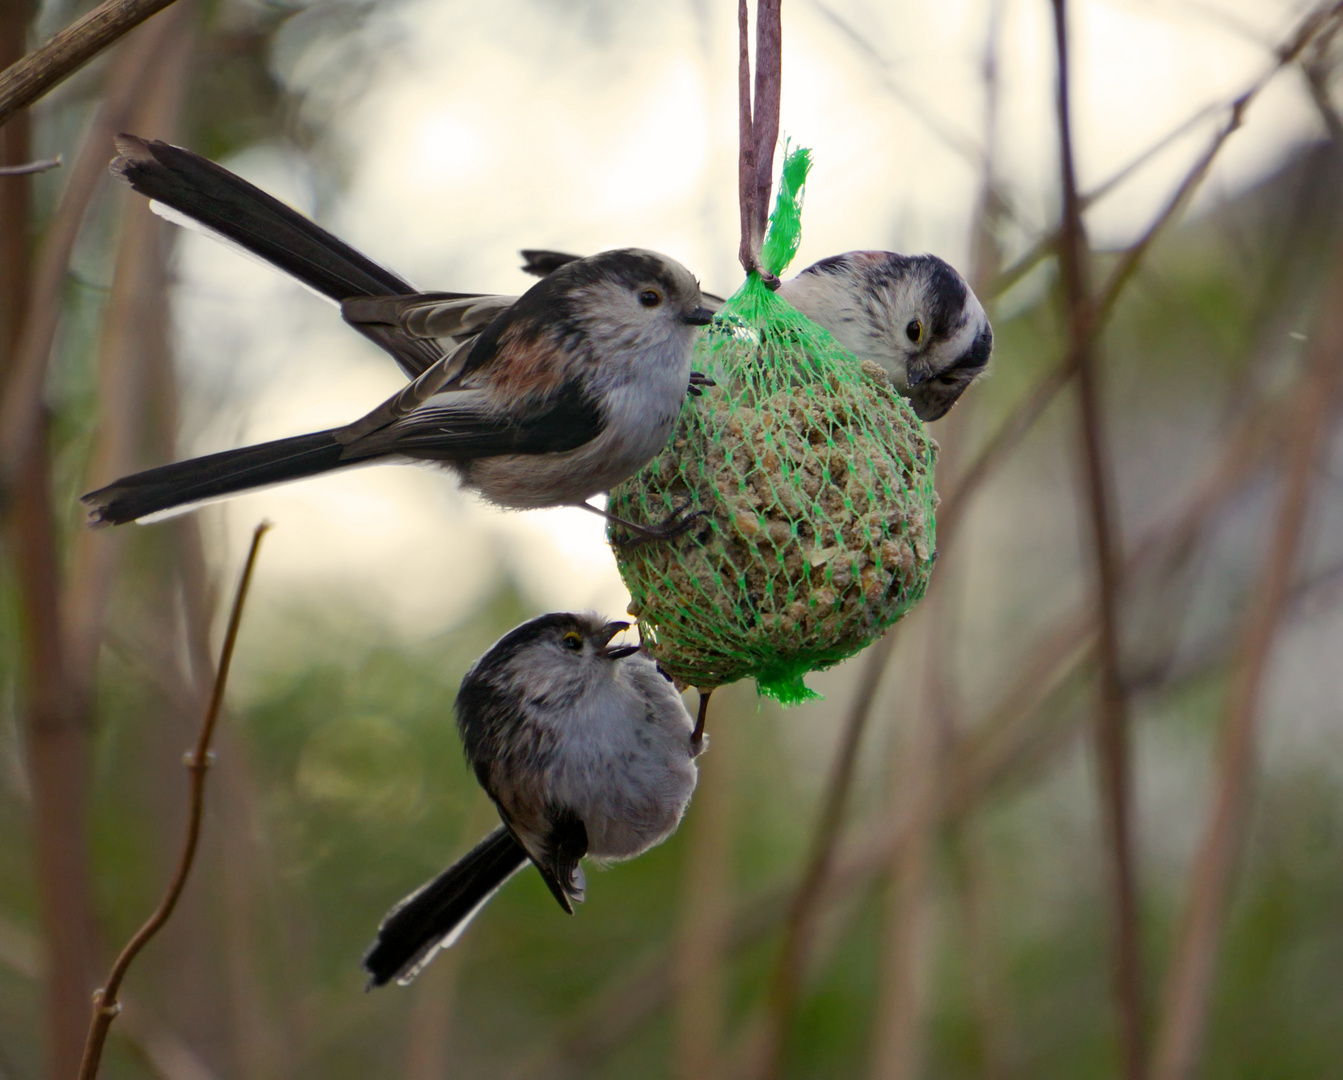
(816, 482)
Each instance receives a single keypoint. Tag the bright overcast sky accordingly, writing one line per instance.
(486, 127)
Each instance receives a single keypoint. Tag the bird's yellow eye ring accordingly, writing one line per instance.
(914, 331)
(650, 298)
(573, 640)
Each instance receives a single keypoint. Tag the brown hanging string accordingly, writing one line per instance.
(758, 127)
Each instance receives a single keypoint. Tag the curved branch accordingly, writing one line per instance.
(105, 1004)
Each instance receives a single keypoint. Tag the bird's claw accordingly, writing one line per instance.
(698, 381)
(676, 525)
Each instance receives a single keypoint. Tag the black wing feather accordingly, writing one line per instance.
(565, 845)
(451, 432)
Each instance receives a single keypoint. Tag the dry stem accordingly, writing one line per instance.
(105, 1003)
(1112, 721)
(804, 911)
(31, 167)
(24, 82)
(1193, 966)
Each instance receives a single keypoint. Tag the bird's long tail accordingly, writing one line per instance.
(202, 479)
(188, 186)
(228, 205)
(432, 917)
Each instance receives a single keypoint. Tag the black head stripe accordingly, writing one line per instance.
(626, 266)
(947, 294)
(976, 357)
(833, 264)
(531, 630)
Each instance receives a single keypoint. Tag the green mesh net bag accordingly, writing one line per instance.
(815, 479)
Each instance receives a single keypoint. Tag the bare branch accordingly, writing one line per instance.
(105, 1004)
(1193, 966)
(1024, 416)
(803, 912)
(31, 167)
(27, 80)
(1112, 721)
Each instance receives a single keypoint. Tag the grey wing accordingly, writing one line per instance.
(436, 379)
(419, 316)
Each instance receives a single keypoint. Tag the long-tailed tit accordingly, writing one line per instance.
(541, 400)
(912, 314)
(585, 748)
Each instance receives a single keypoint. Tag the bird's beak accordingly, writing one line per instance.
(609, 631)
(701, 316)
(917, 373)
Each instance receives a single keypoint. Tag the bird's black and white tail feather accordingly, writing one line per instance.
(216, 200)
(227, 204)
(434, 915)
(187, 483)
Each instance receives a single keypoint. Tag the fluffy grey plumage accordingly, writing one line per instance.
(585, 749)
(912, 314)
(541, 400)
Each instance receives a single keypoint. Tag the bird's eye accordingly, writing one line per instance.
(914, 331)
(573, 640)
(650, 298)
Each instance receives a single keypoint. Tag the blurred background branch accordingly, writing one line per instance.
(106, 1006)
(23, 81)
(1113, 764)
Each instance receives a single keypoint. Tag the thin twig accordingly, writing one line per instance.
(803, 912)
(1112, 721)
(1048, 243)
(24, 82)
(27, 371)
(1022, 419)
(1193, 966)
(31, 167)
(1317, 69)
(105, 1004)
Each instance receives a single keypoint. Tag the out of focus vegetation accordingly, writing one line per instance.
(964, 924)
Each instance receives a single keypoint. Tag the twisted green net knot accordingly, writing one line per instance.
(815, 480)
